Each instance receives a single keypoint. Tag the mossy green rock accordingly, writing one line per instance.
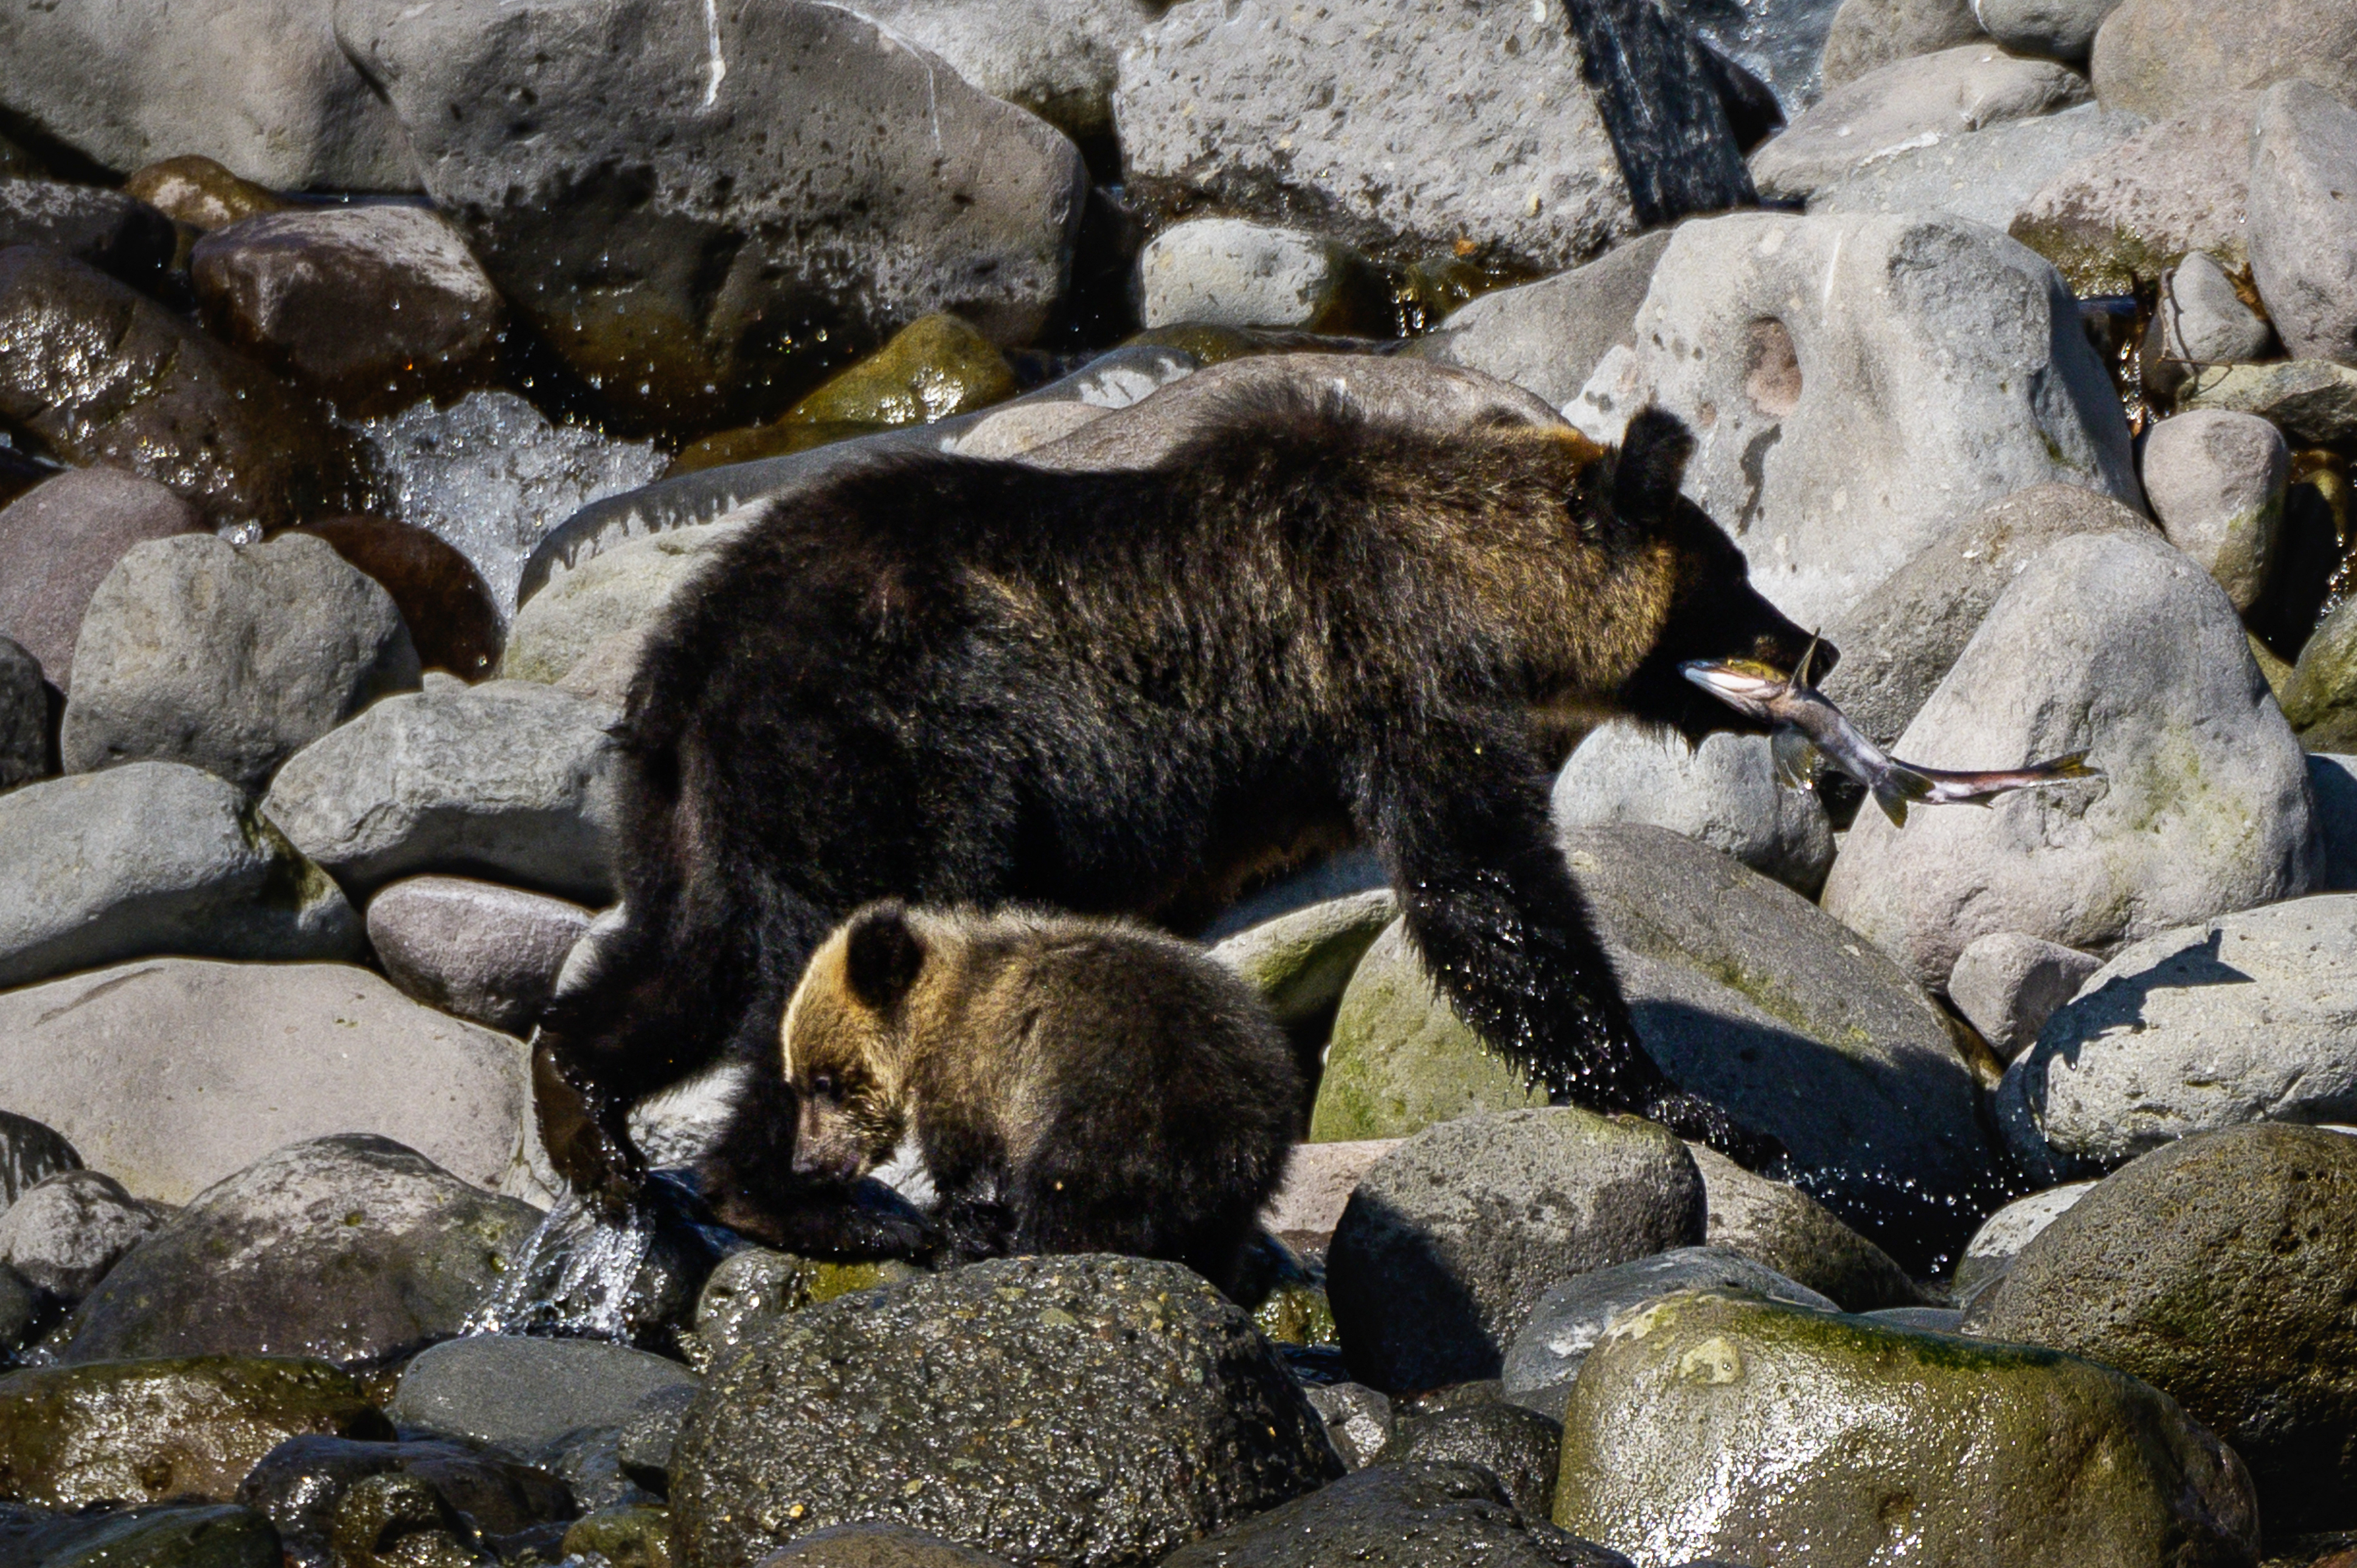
(750, 1290)
(1709, 1425)
(1302, 962)
(2221, 1269)
(637, 1536)
(1402, 1059)
(183, 1427)
(2321, 700)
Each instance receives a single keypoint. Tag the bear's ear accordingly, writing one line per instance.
(881, 954)
(1650, 466)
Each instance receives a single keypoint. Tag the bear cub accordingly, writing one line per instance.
(1072, 1085)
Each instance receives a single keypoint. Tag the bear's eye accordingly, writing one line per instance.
(826, 1086)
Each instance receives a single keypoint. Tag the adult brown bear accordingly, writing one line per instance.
(953, 680)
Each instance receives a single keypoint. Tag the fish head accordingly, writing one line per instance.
(1748, 686)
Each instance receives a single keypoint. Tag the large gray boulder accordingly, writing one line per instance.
(523, 1394)
(1089, 1410)
(684, 182)
(1450, 1241)
(590, 622)
(173, 1073)
(1867, 34)
(2161, 57)
(1059, 58)
(2200, 322)
(2244, 1018)
(1919, 102)
(1549, 336)
(154, 858)
(1747, 1431)
(2303, 221)
(1537, 135)
(1985, 176)
(1723, 793)
(61, 539)
(258, 85)
(2321, 699)
(1990, 1255)
(65, 1231)
(228, 658)
(352, 1248)
(485, 952)
(1899, 640)
(1859, 383)
(510, 778)
(2219, 1270)
(2118, 645)
(2123, 216)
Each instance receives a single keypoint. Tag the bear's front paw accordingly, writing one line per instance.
(597, 1161)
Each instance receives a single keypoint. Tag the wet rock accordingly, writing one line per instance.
(521, 1394)
(605, 607)
(748, 1293)
(483, 952)
(372, 307)
(2007, 983)
(2125, 215)
(61, 539)
(1723, 793)
(115, 1058)
(629, 1537)
(27, 749)
(153, 858)
(876, 1546)
(1984, 176)
(1990, 1255)
(2321, 699)
(1232, 272)
(301, 1484)
(2117, 644)
(1520, 1447)
(2333, 780)
(109, 229)
(703, 251)
(148, 1431)
(1571, 1317)
(490, 476)
(1401, 134)
(2242, 1018)
(1450, 1240)
(2160, 57)
(182, 1535)
(1126, 1402)
(230, 659)
(1706, 1425)
(65, 1231)
(1358, 1421)
(2303, 219)
(1302, 961)
(1549, 336)
(509, 777)
(391, 1520)
(1394, 1516)
(1870, 34)
(196, 191)
(351, 1249)
(1983, 385)
(1898, 642)
(2198, 321)
(1782, 1228)
(103, 374)
(2216, 480)
(1914, 103)
(2055, 29)
(453, 620)
(2218, 1270)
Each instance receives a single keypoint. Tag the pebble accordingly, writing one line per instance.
(485, 952)
(2215, 479)
(509, 777)
(1549, 336)
(453, 622)
(2117, 644)
(1870, 34)
(372, 307)
(64, 1232)
(2217, 1268)
(1358, 1421)
(1723, 793)
(228, 658)
(154, 857)
(1990, 1255)
(1449, 1239)
(170, 1074)
(1546, 1356)
(200, 192)
(2303, 218)
(2161, 57)
(61, 539)
(521, 1394)
(109, 229)
(102, 374)
(1707, 1425)
(1231, 272)
(2124, 216)
(2007, 983)
(2241, 1018)
(1126, 1404)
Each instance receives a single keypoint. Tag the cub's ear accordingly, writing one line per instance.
(881, 954)
(1650, 466)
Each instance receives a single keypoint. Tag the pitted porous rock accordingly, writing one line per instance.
(351, 1249)
(2119, 220)
(1087, 1410)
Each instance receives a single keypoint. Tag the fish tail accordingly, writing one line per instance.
(2073, 765)
(1897, 786)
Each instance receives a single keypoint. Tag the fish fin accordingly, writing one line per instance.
(2074, 765)
(1896, 788)
(1795, 757)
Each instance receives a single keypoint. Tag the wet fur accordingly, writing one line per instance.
(959, 682)
(1072, 1085)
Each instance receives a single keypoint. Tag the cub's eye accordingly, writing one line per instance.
(826, 1086)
